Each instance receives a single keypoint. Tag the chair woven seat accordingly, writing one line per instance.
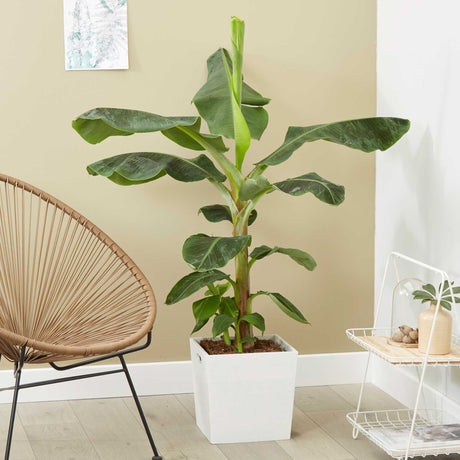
(66, 289)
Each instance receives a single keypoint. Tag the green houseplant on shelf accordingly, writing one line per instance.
(233, 111)
(440, 320)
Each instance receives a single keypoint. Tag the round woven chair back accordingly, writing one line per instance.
(66, 289)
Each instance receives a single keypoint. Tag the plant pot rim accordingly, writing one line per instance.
(287, 349)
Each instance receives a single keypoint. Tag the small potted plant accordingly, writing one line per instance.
(441, 341)
(240, 396)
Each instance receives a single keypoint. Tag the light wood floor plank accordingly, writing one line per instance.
(42, 413)
(172, 455)
(373, 398)
(310, 442)
(112, 429)
(174, 428)
(21, 448)
(162, 411)
(207, 454)
(19, 433)
(336, 426)
(188, 401)
(189, 440)
(60, 442)
(254, 451)
(320, 398)
(107, 419)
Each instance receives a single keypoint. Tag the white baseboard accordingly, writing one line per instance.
(330, 368)
(149, 379)
(169, 378)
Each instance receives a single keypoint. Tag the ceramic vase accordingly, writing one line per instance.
(440, 344)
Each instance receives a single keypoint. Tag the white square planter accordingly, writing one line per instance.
(244, 397)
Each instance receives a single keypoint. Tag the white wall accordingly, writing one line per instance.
(418, 181)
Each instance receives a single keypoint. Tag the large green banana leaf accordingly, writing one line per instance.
(250, 96)
(216, 103)
(252, 188)
(324, 190)
(203, 309)
(256, 119)
(191, 138)
(191, 283)
(99, 124)
(203, 252)
(141, 167)
(301, 257)
(366, 134)
(219, 212)
(255, 319)
(286, 306)
(221, 323)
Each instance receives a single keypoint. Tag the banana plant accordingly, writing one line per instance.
(235, 115)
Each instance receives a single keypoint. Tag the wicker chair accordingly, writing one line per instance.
(67, 291)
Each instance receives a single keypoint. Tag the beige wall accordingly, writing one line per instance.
(315, 59)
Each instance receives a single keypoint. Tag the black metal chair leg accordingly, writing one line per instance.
(139, 408)
(17, 370)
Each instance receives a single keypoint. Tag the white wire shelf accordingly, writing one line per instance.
(375, 341)
(435, 432)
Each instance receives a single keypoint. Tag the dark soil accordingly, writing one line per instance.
(219, 347)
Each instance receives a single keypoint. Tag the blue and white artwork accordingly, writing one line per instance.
(96, 34)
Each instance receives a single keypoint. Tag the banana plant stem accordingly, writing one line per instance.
(244, 329)
(239, 345)
(226, 337)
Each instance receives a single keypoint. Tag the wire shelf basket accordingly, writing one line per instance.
(375, 341)
(406, 433)
(389, 429)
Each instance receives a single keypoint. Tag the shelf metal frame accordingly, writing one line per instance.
(368, 421)
(394, 257)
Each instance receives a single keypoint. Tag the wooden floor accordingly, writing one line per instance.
(110, 429)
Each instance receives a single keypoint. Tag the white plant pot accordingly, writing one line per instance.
(244, 397)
